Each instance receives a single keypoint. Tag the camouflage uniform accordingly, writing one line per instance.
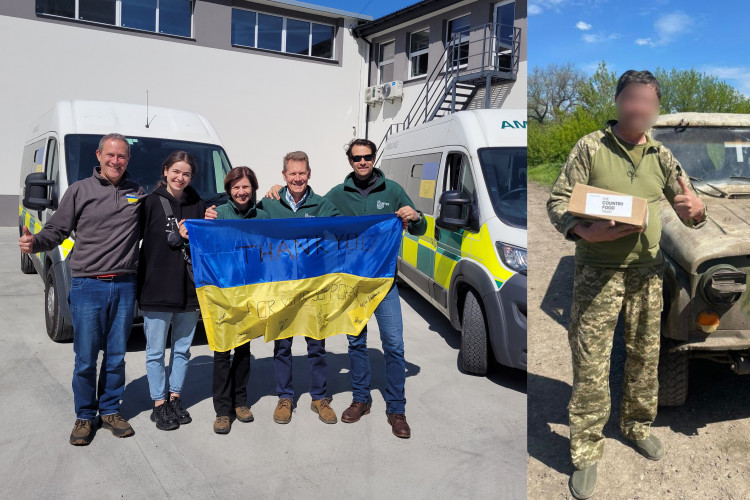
(624, 275)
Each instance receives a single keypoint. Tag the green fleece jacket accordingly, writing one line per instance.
(600, 160)
(385, 198)
(314, 206)
(230, 211)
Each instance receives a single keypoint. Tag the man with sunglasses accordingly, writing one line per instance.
(366, 191)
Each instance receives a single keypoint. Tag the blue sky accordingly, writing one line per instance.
(374, 8)
(709, 36)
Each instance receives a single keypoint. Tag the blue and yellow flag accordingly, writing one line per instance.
(315, 277)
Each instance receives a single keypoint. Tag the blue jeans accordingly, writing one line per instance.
(388, 315)
(156, 326)
(316, 359)
(102, 314)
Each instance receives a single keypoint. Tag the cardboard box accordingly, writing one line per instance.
(589, 202)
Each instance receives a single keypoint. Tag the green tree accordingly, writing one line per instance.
(597, 94)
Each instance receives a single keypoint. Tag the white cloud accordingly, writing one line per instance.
(737, 76)
(583, 26)
(599, 37)
(667, 28)
(534, 9)
(539, 6)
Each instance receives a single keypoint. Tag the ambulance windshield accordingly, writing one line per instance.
(504, 172)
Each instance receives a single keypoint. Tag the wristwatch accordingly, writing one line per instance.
(703, 217)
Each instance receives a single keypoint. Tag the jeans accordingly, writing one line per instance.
(230, 379)
(156, 326)
(388, 315)
(282, 365)
(102, 314)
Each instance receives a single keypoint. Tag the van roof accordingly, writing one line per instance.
(101, 117)
(703, 120)
(472, 129)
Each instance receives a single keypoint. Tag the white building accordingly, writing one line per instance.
(271, 76)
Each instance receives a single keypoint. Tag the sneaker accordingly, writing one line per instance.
(222, 425)
(83, 433)
(183, 417)
(583, 483)
(119, 426)
(323, 408)
(398, 424)
(164, 417)
(283, 412)
(244, 414)
(355, 412)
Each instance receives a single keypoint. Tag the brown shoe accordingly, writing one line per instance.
(222, 425)
(398, 424)
(355, 412)
(283, 412)
(118, 425)
(323, 408)
(83, 433)
(244, 414)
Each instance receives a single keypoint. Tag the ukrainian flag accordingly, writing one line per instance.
(277, 278)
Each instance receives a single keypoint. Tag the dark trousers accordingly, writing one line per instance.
(282, 365)
(230, 379)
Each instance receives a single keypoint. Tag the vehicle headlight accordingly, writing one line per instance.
(513, 257)
(722, 285)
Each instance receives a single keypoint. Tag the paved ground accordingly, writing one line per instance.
(706, 440)
(468, 433)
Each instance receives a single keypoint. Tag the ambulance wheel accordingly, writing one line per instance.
(474, 340)
(673, 375)
(27, 266)
(57, 329)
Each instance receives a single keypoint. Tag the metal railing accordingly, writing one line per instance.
(479, 56)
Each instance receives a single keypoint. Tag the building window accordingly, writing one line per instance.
(281, 34)
(419, 45)
(385, 61)
(172, 17)
(458, 41)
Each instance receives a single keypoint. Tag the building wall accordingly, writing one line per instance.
(262, 104)
(382, 115)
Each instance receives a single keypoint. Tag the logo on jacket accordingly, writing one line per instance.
(382, 204)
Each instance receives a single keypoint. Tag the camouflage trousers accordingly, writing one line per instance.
(599, 295)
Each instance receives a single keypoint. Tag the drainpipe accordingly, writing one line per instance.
(369, 79)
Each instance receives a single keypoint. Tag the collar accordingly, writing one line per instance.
(290, 200)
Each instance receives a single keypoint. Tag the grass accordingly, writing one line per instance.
(544, 174)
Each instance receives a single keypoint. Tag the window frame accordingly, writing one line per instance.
(448, 63)
(389, 61)
(284, 35)
(425, 51)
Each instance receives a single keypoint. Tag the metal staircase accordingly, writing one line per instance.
(470, 74)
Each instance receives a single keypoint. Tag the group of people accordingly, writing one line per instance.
(131, 246)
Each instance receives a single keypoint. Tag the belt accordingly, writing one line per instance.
(107, 277)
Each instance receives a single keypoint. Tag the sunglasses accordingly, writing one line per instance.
(359, 158)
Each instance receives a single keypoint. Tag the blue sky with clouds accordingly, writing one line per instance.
(374, 8)
(709, 36)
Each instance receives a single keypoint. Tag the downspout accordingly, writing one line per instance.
(369, 79)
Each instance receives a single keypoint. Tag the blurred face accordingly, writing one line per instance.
(296, 177)
(113, 160)
(637, 107)
(242, 191)
(361, 160)
(178, 177)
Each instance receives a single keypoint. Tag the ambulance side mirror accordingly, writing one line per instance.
(37, 190)
(451, 210)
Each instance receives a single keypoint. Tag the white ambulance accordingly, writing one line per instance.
(61, 149)
(466, 172)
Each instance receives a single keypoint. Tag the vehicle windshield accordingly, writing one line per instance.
(504, 172)
(719, 155)
(146, 157)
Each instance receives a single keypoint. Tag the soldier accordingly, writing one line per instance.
(618, 267)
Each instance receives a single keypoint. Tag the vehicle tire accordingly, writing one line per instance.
(57, 329)
(474, 339)
(673, 375)
(27, 266)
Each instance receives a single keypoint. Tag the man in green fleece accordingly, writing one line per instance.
(366, 191)
(297, 199)
(618, 267)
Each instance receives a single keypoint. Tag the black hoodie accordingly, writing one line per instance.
(163, 281)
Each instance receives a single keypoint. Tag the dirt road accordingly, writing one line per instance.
(707, 440)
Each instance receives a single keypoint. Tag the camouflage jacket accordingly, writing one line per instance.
(599, 160)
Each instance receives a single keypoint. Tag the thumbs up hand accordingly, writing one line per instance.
(687, 205)
(26, 242)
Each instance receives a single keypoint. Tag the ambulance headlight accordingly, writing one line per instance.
(513, 257)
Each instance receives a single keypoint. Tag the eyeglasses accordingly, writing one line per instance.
(358, 158)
